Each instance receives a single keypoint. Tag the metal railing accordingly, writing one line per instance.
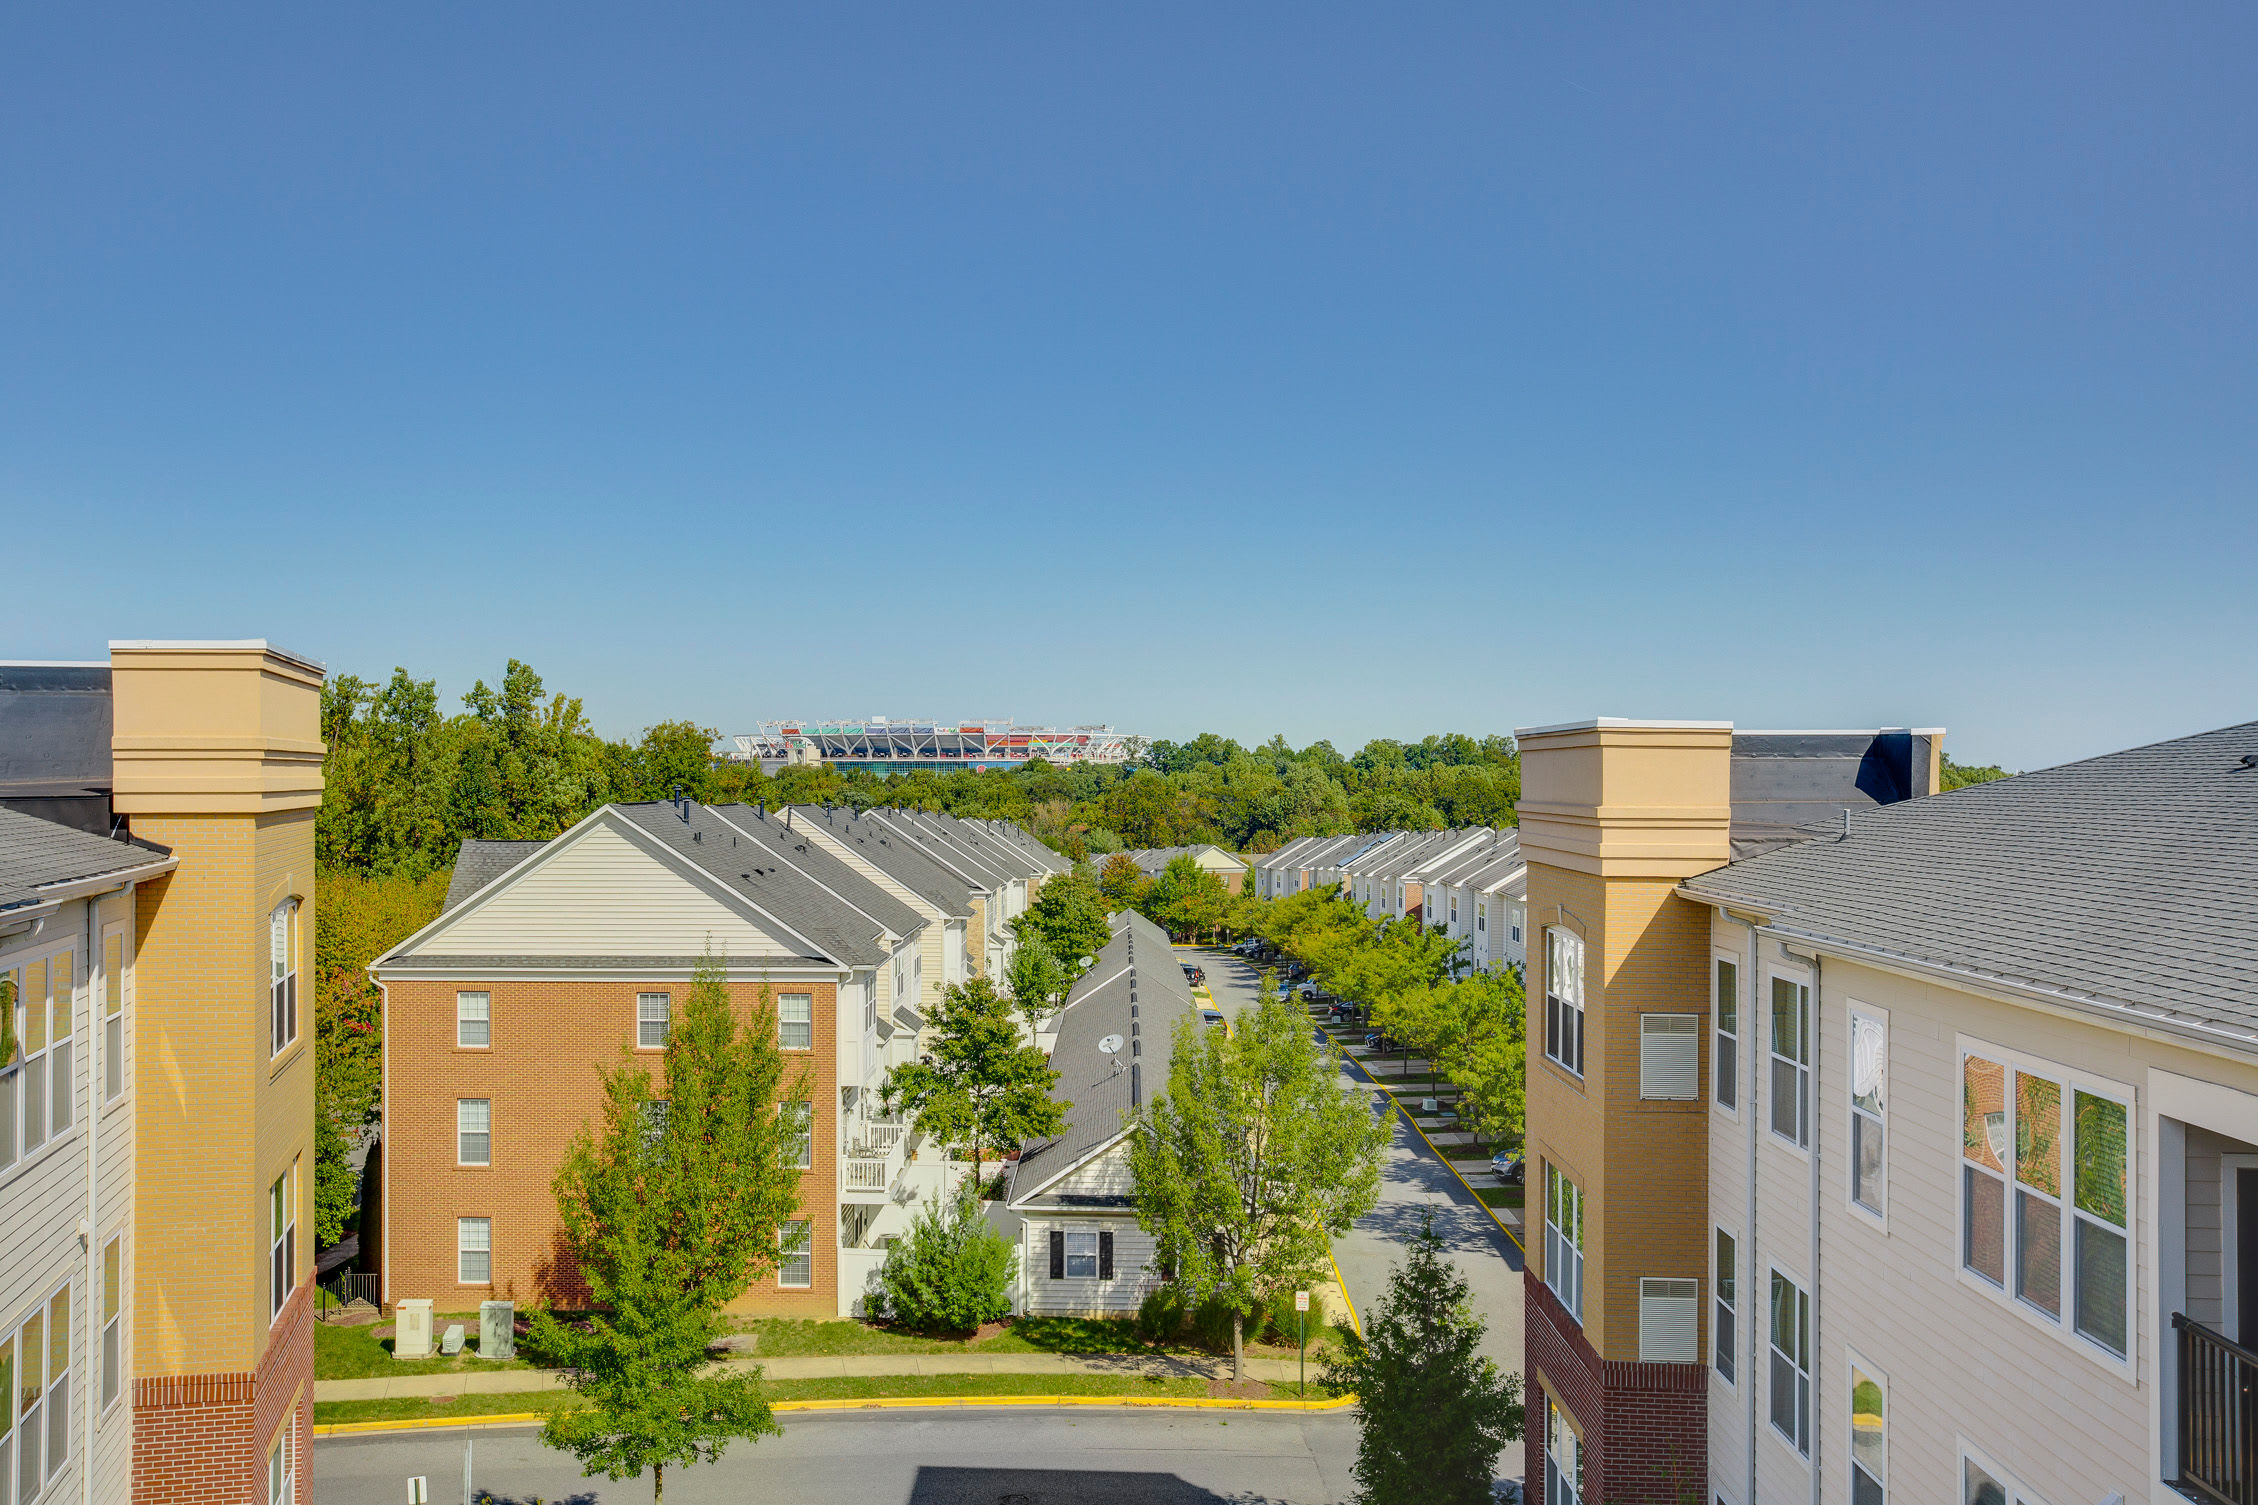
(865, 1175)
(879, 1136)
(2218, 1420)
(346, 1290)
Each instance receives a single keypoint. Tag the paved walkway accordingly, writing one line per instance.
(828, 1366)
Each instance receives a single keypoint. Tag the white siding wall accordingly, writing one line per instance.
(603, 896)
(1133, 1273)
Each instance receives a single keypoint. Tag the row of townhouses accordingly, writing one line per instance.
(550, 958)
(1469, 883)
(156, 1074)
(1887, 1144)
(1210, 858)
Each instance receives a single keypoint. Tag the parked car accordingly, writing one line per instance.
(1508, 1165)
(1308, 989)
(1376, 1040)
(1194, 975)
(1213, 1019)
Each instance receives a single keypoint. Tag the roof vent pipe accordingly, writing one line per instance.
(1136, 1084)
(1846, 823)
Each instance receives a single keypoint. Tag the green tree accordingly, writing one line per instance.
(669, 1212)
(952, 1272)
(986, 1088)
(1036, 977)
(1121, 881)
(1435, 1412)
(1187, 900)
(1961, 775)
(1251, 1159)
(1069, 914)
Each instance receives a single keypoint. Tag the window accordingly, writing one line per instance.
(2068, 1176)
(7, 1411)
(282, 1240)
(1869, 1095)
(1564, 1458)
(1791, 1060)
(1454, 909)
(795, 1021)
(1517, 935)
(1791, 1363)
(1728, 1292)
(1669, 1321)
(36, 1091)
(474, 1251)
(282, 972)
(474, 1131)
(62, 1087)
(1869, 1434)
(474, 1020)
(1081, 1256)
(1670, 1057)
(1726, 1007)
(282, 1478)
(1564, 1240)
(1482, 917)
(796, 1264)
(799, 1135)
(1983, 1482)
(113, 1307)
(1564, 998)
(35, 1377)
(113, 1016)
(651, 1011)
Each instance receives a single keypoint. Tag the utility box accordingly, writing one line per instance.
(411, 1329)
(451, 1341)
(497, 1329)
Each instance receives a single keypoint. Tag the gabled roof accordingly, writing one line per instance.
(39, 859)
(762, 876)
(833, 874)
(1290, 855)
(1136, 990)
(1039, 854)
(1006, 857)
(2127, 883)
(480, 863)
(1154, 861)
(907, 862)
(978, 872)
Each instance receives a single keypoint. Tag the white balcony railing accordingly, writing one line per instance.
(880, 1136)
(865, 1174)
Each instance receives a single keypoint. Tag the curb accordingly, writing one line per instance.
(877, 1403)
(1448, 1164)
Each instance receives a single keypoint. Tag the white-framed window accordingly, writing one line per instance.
(1725, 1279)
(1516, 935)
(1081, 1255)
(1669, 1320)
(1725, 1008)
(1791, 1060)
(1670, 1057)
(113, 1321)
(474, 1131)
(653, 1013)
(1564, 1240)
(282, 976)
(795, 1021)
(1984, 1482)
(1564, 998)
(474, 1251)
(282, 1240)
(113, 1013)
(1482, 918)
(474, 1020)
(1869, 1434)
(2045, 1184)
(1454, 909)
(1869, 1110)
(1564, 1458)
(282, 1466)
(799, 1135)
(35, 1364)
(38, 1093)
(795, 1266)
(1791, 1363)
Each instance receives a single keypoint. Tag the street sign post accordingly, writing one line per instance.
(1301, 1341)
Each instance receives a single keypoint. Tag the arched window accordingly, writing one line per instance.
(282, 966)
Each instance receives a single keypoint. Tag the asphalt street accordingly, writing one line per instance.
(1414, 1184)
(1049, 1456)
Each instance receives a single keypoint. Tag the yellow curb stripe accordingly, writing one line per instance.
(1448, 1164)
(1342, 1281)
(873, 1403)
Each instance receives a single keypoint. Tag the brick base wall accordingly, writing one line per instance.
(204, 1437)
(1645, 1426)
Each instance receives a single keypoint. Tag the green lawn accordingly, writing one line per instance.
(1501, 1196)
(351, 1353)
(910, 1386)
(782, 1337)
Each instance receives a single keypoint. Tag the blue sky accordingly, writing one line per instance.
(1344, 372)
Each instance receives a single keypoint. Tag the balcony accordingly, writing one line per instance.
(2218, 1416)
(879, 1136)
(861, 1173)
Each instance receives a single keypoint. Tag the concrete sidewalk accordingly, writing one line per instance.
(829, 1366)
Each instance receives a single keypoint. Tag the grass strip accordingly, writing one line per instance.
(1502, 1196)
(352, 1353)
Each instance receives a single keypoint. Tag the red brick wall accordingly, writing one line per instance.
(551, 1040)
(204, 1437)
(1645, 1426)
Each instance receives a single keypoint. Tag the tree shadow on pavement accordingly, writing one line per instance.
(1063, 1486)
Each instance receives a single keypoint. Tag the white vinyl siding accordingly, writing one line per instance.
(1670, 1057)
(1669, 1321)
(1134, 1276)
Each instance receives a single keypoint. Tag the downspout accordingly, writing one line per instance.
(1818, 1443)
(1752, 1109)
(384, 1151)
(92, 1224)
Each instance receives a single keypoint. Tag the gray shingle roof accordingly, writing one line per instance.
(480, 863)
(907, 862)
(1136, 990)
(2129, 881)
(752, 870)
(37, 854)
(807, 854)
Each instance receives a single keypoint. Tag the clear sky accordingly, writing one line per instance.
(1335, 371)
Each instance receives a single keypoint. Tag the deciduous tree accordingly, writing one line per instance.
(985, 1088)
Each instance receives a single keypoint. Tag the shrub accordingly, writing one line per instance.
(951, 1272)
(1160, 1316)
(1211, 1324)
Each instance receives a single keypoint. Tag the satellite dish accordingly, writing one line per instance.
(1109, 1045)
